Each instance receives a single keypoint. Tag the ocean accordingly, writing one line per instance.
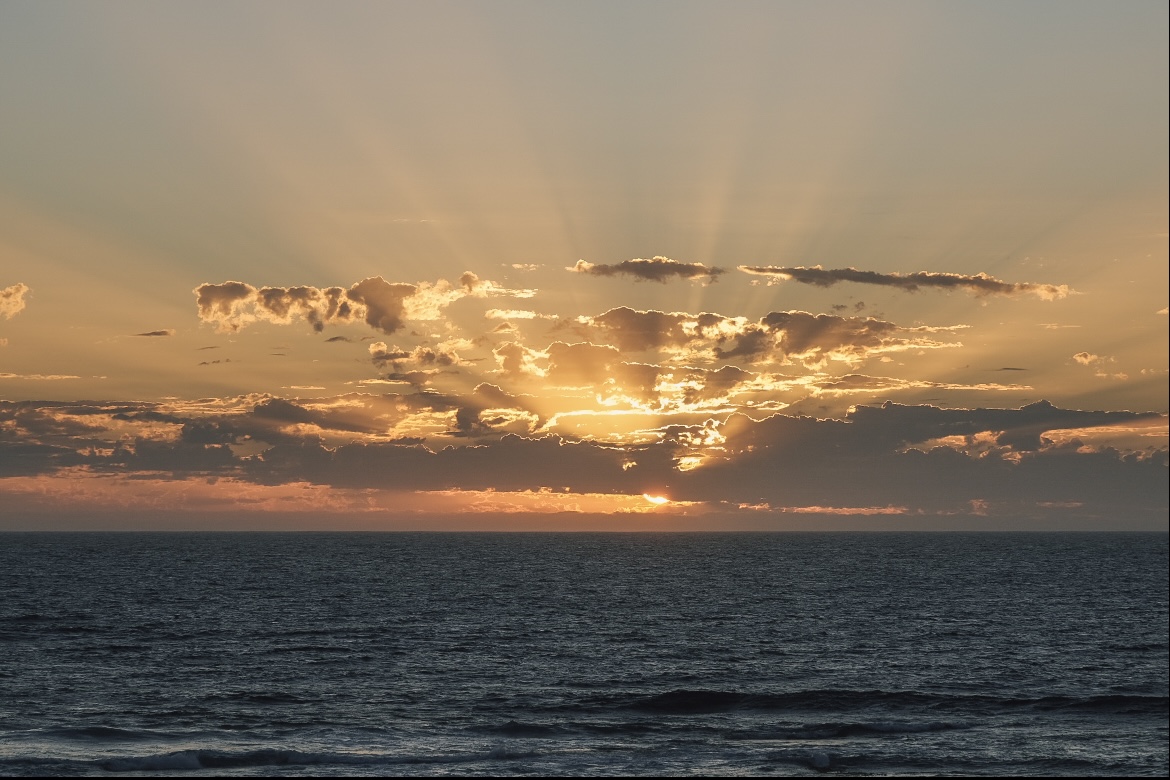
(583, 654)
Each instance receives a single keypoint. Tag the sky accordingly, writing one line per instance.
(568, 266)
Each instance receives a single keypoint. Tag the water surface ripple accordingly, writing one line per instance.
(488, 654)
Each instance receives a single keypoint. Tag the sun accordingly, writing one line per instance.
(656, 500)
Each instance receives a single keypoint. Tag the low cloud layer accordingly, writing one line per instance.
(658, 269)
(12, 300)
(978, 284)
(919, 459)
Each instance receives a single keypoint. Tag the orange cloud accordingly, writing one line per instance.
(12, 300)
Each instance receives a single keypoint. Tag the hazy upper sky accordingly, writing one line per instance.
(583, 264)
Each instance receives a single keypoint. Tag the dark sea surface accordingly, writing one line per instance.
(578, 654)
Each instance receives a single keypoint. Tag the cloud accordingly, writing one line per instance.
(515, 314)
(384, 306)
(12, 300)
(658, 269)
(516, 360)
(384, 303)
(39, 377)
(860, 383)
(1098, 363)
(926, 459)
(979, 284)
(440, 356)
(785, 336)
(164, 332)
(580, 365)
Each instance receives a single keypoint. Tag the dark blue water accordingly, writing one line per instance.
(367, 654)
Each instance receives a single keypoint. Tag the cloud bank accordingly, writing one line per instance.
(915, 459)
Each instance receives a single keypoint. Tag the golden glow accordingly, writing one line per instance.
(656, 500)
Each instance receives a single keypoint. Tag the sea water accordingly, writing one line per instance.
(374, 654)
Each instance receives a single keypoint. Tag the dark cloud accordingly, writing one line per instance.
(384, 302)
(1021, 429)
(658, 269)
(782, 461)
(164, 332)
(926, 458)
(632, 330)
(979, 284)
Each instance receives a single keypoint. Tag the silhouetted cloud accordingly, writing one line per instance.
(980, 284)
(924, 459)
(658, 269)
(12, 300)
(164, 332)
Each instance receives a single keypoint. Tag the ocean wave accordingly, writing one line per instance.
(838, 730)
(514, 728)
(105, 733)
(223, 759)
(699, 702)
(260, 697)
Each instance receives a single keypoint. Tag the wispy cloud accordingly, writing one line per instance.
(658, 269)
(39, 377)
(979, 284)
